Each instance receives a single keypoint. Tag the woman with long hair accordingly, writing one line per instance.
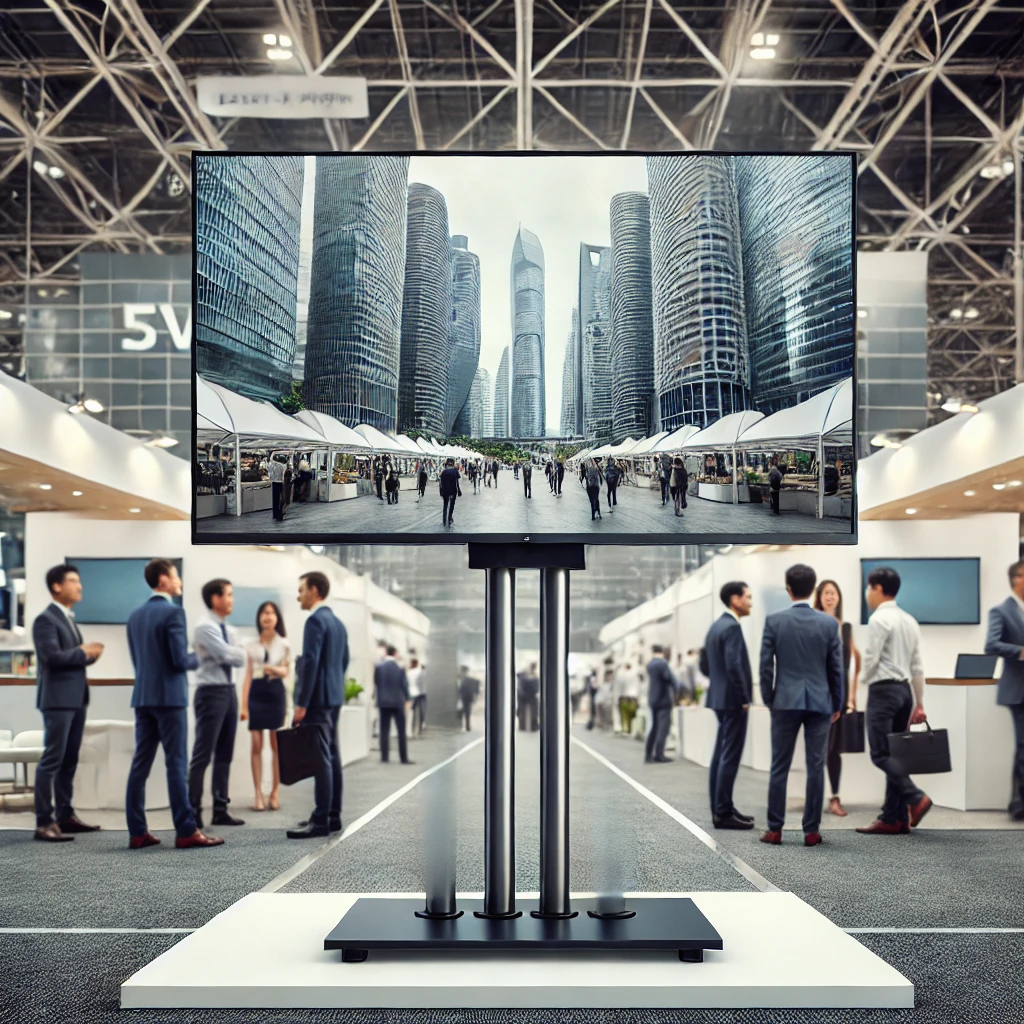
(263, 696)
(828, 598)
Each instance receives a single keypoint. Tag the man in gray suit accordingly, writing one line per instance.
(802, 683)
(1006, 638)
(392, 686)
(661, 698)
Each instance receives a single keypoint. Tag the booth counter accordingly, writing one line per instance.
(257, 497)
(723, 492)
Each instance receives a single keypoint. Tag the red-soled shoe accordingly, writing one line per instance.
(139, 842)
(812, 839)
(774, 838)
(919, 810)
(196, 839)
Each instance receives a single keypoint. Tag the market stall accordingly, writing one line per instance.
(718, 480)
(336, 471)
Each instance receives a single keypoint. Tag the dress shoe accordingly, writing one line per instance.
(772, 838)
(734, 823)
(812, 839)
(743, 817)
(904, 828)
(883, 828)
(140, 842)
(74, 825)
(224, 818)
(52, 834)
(1017, 814)
(309, 832)
(664, 760)
(333, 824)
(919, 810)
(408, 762)
(197, 839)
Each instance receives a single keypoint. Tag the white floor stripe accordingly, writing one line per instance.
(755, 878)
(307, 862)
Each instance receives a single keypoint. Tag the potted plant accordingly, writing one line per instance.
(352, 690)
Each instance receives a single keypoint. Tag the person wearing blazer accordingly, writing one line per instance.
(158, 644)
(730, 693)
(661, 698)
(802, 683)
(319, 696)
(62, 694)
(1006, 639)
(392, 689)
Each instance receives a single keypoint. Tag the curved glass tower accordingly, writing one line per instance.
(355, 300)
(632, 318)
(595, 341)
(527, 282)
(248, 220)
(798, 274)
(472, 420)
(465, 353)
(501, 396)
(427, 315)
(570, 379)
(700, 342)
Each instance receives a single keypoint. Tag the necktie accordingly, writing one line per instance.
(226, 667)
(74, 626)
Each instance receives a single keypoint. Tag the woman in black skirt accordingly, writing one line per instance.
(263, 696)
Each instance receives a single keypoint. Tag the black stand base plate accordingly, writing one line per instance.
(669, 923)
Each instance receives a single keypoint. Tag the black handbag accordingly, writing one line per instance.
(920, 753)
(298, 754)
(851, 732)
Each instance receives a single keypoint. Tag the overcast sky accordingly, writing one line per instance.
(563, 200)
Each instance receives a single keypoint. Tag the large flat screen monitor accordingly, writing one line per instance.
(936, 591)
(112, 588)
(607, 348)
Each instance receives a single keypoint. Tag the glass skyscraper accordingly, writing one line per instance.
(632, 318)
(248, 213)
(701, 370)
(427, 315)
(798, 275)
(355, 303)
(595, 341)
(527, 287)
(473, 418)
(465, 326)
(570, 380)
(501, 396)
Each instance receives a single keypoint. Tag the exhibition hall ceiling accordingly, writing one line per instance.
(99, 116)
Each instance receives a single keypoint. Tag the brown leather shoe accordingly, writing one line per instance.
(919, 810)
(139, 842)
(882, 828)
(197, 839)
(52, 834)
(73, 824)
(774, 838)
(904, 828)
(812, 839)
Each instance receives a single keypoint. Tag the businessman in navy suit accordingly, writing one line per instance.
(729, 696)
(1006, 639)
(802, 682)
(158, 643)
(661, 699)
(392, 687)
(319, 695)
(62, 694)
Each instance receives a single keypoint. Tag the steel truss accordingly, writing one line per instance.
(100, 96)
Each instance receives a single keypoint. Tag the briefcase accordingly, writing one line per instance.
(920, 753)
(298, 754)
(851, 732)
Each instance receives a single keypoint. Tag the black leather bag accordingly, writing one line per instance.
(851, 732)
(298, 754)
(920, 753)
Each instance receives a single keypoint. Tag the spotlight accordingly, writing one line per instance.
(270, 39)
(969, 494)
(862, 312)
(76, 494)
(999, 487)
(161, 441)
(1013, 483)
(46, 487)
(762, 53)
(276, 54)
(956, 314)
(911, 511)
(135, 511)
(971, 313)
(93, 405)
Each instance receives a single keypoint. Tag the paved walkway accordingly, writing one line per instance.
(506, 510)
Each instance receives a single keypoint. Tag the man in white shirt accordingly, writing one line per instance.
(627, 694)
(278, 465)
(414, 673)
(893, 673)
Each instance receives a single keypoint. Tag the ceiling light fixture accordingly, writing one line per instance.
(93, 405)
(161, 441)
(862, 312)
(956, 314)
(270, 39)
(135, 511)
(911, 511)
(76, 408)
(5, 314)
(999, 487)
(968, 494)
(277, 54)
(762, 53)
(76, 494)
(1014, 483)
(46, 487)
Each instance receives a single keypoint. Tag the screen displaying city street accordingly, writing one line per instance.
(606, 348)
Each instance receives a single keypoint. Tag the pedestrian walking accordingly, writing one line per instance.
(678, 484)
(450, 490)
(594, 488)
(611, 479)
(528, 479)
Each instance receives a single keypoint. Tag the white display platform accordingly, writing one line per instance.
(266, 952)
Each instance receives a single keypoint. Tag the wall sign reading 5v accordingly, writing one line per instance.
(181, 337)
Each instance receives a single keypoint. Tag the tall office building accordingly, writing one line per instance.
(701, 368)
(355, 298)
(473, 418)
(527, 287)
(632, 318)
(570, 379)
(501, 397)
(798, 274)
(465, 353)
(248, 212)
(594, 386)
(427, 315)
(597, 376)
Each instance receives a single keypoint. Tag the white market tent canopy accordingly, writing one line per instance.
(675, 441)
(380, 441)
(334, 432)
(827, 416)
(408, 444)
(251, 422)
(723, 434)
(614, 450)
(647, 445)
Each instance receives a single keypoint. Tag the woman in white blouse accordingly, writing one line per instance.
(263, 696)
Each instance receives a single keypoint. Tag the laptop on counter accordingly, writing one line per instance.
(975, 666)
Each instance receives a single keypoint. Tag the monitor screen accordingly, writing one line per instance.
(936, 591)
(610, 348)
(112, 588)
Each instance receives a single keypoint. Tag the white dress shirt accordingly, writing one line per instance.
(893, 649)
(70, 616)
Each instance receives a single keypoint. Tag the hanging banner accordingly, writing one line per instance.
(284, 97)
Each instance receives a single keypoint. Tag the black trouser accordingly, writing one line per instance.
(785, 729)
(834, 761)
(775, 500)
(1017, 798)
(387, 716)
(594, 493)
(725, 761)
(419, 712)
(889, 708)
(657, 734)
(528, 484)
(467, 712)
(559, 477)
(277, 498)
(423, 487)
(613, 486)
(380, 488)
(448, 509)
(216, 710)
(55, 773)
(664, 489)
(529, 711)
(392, 498)
(327, 787)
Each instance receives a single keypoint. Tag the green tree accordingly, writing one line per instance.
(292, 402)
